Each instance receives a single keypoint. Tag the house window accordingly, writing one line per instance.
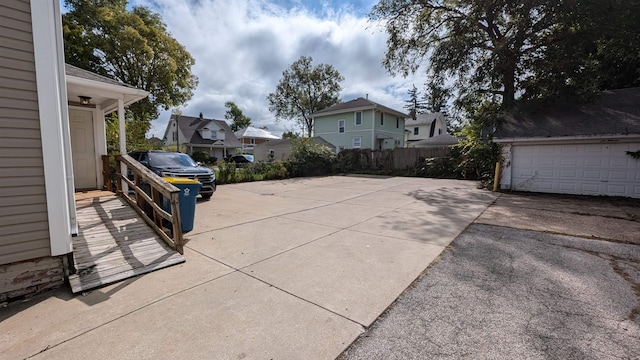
(357, 142)
(272, 154)
(397, 123)
(397, 142)
(381, 119)
(341, 126)
(416, 130)
(433, 128)
(439, 131)
(340, 148)
(358, 117)
(252, 141)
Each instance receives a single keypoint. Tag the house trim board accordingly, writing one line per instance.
(571, 139)
(116, 92)
(363, 109)
(52, 105)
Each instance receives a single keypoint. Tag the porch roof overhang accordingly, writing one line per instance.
(103, 94)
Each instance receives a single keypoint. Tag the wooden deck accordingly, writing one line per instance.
(114, 243)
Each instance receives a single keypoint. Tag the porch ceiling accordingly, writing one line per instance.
(102, 94)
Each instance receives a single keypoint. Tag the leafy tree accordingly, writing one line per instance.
(436, 97)
(132, 46)
(414, 104)
(303, 90)
(240, 121)
(290, 135)
(499, 49)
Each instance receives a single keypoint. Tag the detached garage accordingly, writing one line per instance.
(590, 149)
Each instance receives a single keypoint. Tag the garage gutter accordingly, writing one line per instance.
(575, 139)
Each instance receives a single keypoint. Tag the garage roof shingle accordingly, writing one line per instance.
(614, 112)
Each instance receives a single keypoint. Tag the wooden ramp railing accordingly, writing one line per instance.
(149, 192)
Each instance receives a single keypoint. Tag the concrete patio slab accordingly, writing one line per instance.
(325, 193)
(271, 186)
(240, 246)
(342, 215)
(306, 284)
(437, 225)
(350, 273)
(233, 317)
(233, 207)
(382, 199)
(30, 327)
(407, 185)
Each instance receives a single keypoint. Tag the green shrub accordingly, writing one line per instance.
(308, 159)
(440, 168)
(226, 173)
(201, 157)
(270, 170)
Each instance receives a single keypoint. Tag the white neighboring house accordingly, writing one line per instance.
(584, 150)
(427, 130)
(250, 136)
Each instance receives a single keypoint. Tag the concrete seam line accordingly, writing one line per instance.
(303, 299)
(129, 313)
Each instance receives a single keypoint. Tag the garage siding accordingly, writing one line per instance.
(24, 231)
(582, 169)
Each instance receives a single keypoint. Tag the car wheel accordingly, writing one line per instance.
(206, 196)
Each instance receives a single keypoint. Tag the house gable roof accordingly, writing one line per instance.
(355, 105)
(438, 140)
(423, 119)
(251, 132)
(75, 71)
(189, 127)
(615, 112)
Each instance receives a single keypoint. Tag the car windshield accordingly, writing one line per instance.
(249, 157)
(169, 160)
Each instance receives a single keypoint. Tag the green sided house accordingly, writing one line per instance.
(360, 124)
(52, 138)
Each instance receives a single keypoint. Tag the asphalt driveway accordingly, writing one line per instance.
(293, 269)
(514, 286)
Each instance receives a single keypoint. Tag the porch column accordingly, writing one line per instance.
(123, 141)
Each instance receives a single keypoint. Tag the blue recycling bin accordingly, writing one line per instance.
(189, 189)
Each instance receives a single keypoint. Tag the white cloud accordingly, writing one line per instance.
(242, 47)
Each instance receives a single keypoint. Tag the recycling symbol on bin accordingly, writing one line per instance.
(186, 191)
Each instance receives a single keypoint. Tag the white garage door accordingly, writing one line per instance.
(588, 169)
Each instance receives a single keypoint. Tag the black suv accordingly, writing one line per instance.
(174, 164)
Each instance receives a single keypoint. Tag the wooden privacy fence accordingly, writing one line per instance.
(391, 159)
(405, 158)
(148, 192)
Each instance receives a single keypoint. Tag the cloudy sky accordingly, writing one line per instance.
(241, 48)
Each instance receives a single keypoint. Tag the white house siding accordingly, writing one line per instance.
(602, 168)
(24, 226)
(423, 124)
